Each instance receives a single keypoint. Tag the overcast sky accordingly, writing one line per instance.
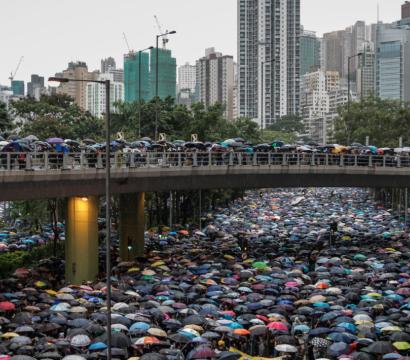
(50, 33)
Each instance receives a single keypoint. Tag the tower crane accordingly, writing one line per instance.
(165, 39)
(126, 42)
(12, 75)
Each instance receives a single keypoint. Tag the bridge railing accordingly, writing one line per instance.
(84, 160)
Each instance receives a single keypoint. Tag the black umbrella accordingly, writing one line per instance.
(179, 338)
(381, 347)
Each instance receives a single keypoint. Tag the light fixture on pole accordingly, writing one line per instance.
(107, 84)
(156, 79)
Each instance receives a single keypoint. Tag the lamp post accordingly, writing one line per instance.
(139, 87)
(107, 84)
(156, 79)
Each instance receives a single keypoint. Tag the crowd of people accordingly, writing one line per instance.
(31, 143)
(295, 274)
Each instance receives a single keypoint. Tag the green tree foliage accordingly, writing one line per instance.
(56, 115)
(5, 119)
(288, 124)
(384, 121)
(179, 122)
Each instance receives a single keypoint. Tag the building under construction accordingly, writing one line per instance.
(167, 73)
(131, 77)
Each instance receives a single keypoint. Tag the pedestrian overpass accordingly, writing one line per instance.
(80, 177)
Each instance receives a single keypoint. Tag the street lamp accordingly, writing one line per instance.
(107, 84)
(139, 87)
(156, 78)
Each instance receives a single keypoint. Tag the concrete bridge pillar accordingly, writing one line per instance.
(132, 225)
(81, 245)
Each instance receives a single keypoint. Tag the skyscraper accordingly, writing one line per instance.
(366, 72)
(108, 64)
(167, 73)
(17, 86)
(309, 52)
(35, 87)
(77, 90)
(215, 80)
(187, 77)
(131, 77)
(405, 10)
(96, 96)
(268, 49)
(393, 62)
(334, 51)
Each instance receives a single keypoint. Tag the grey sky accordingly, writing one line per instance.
(50, 33)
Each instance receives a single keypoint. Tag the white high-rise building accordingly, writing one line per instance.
(95, 95)
(216, 80)
(317, 93)
(187, 77)
(268, 59)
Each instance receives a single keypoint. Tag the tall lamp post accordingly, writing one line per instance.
(107, 84)
(139, 87)
(156, 79)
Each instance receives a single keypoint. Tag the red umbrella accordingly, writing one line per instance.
(403, 291)
(202, 352)
(277, 326)
(7, 306)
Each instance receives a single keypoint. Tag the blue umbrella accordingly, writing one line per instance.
(97, 346)
(140, 326)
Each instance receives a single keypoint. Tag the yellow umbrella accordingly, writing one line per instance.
(401, 345)
(9, 335)
(374, 295)
(391, 328)
(51, 292)
(158, 263)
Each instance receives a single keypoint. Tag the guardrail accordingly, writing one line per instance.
(81, 161)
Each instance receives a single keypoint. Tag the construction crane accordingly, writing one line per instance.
(13, 75)
(126, 42)
(164, 38)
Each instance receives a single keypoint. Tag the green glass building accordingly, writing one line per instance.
(131, 77)
(309, 52)
(17, 86)
(167, 73)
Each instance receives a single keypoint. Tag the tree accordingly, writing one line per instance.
(384, 121)
(56, 115)
(288, 124)
(248, 129)
(5, 119)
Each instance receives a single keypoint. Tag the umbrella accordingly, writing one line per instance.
(147, 340)
(337, 349)
(201, 352)
(55, 140)
(80, 341)
(286, 348)
(380, 347)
